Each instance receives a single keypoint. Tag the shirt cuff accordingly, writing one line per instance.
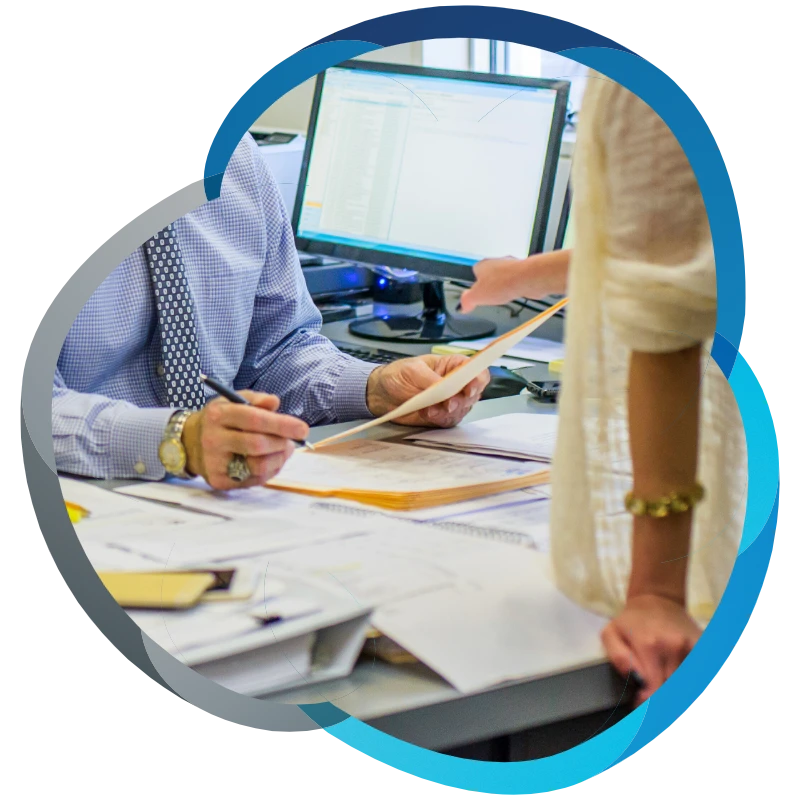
(136, 435)
(350, 390)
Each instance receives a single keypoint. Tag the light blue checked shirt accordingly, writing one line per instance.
(257, 328)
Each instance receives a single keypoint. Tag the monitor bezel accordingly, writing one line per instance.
(563, 222)
(446, 269)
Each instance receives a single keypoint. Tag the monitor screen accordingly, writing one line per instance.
(405, 166)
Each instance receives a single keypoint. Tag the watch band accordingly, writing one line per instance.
(173, 433)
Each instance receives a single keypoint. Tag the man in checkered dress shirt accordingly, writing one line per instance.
(257, 329)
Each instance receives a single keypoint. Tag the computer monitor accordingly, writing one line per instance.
(566, 229)
(428, 170)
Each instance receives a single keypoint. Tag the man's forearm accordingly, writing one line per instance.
(98, 437)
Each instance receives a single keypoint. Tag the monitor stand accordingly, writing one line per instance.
(431, 326)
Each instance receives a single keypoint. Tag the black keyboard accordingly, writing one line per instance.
(503, 383)
(370, 354)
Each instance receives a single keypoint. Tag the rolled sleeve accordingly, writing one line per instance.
(659, 289)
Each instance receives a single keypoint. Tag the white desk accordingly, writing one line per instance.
(522, 720)
(412, 703)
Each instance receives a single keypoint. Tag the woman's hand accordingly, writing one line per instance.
(651, 637)
(498, 280)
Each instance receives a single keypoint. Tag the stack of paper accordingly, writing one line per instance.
(401, 477)
(526, 436)
(299, 632)
(529, 349)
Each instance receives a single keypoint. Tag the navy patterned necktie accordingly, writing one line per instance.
(179, 353)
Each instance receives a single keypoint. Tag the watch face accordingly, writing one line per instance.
(172, 455)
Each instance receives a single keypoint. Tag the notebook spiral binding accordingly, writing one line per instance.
(343, 509)
(495, 534)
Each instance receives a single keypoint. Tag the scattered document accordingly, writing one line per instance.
(398, 476)
(104, 556)
(524, 436)
(512, 625)
(197, 495)
(229, 541)
(180, 632)
(529, 349)
(511, 363)
(375, 568)
(520, 521)
(310, 631)
(452, 383)
(436, 513)
(100, 503)
(113, 518)
(396, 561)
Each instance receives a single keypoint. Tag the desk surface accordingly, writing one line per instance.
(412, 703)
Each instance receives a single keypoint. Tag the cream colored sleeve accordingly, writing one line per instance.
(660, 281)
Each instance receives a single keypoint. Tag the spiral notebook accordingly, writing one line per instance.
(480, 528)
(402, 477)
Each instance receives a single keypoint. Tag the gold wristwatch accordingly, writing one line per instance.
(171, 451)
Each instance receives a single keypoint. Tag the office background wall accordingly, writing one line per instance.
(291, 112)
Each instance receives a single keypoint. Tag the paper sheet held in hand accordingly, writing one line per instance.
(452, 383)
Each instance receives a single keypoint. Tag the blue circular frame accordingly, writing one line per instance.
(663, 95)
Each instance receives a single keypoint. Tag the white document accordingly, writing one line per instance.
(525, 436)
(178, 632)
(101, 503)
(511, 363)
(263, 669)
(232, 504)
(395, 561)
(529, 349)
(231, 645)
(510, 624)
(519, 521)
(452, 383)
(487, 503)
(107, 558)
(228, 542)
(114, 518)
(400, 561)
(378, 466)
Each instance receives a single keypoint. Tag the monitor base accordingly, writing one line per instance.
(420, 330)
(432, 326)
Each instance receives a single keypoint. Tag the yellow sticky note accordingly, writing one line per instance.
(449, 350)
(157, 589)
(76, 512)
(556, 366)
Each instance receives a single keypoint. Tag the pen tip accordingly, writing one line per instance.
(203, 377)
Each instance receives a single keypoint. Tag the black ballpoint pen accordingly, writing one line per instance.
(234, 397)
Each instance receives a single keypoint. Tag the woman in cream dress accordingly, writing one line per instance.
(643, 407)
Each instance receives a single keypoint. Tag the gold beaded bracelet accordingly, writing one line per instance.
(673, 503)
